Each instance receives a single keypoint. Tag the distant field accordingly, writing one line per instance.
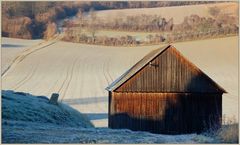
(113, 33)
(80, 73)
(176, 12)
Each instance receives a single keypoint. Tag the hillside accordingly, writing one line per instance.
(23, 107)
(80, 73)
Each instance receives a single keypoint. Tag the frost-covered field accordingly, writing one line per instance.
(80, 73)
(11, 47)
(31, 119)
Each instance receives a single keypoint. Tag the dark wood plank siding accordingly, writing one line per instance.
(170, 113)
(169, 72)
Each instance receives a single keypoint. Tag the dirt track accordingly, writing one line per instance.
(80, 73)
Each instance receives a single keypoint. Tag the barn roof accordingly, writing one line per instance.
(124, 77)
(143, 62)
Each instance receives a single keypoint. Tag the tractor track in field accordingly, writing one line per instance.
(64, 81)
(67, 80)
(70, 77)
(27, 78)
(108, 65)
(29, 51)
(105, 73)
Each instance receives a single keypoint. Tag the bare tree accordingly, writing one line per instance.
(214, 11)
(51, 30)
(92, 20)
(149, 38)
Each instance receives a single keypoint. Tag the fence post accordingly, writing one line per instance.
(54, 99)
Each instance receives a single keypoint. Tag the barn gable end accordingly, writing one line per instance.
(165, 93)
(165, 70)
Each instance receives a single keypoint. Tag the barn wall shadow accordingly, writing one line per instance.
(11, 45)
(90, 100)
(96, 116)
(190, 113)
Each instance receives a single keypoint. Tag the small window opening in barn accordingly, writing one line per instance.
(152, 64)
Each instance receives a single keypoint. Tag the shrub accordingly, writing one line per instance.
(214, 11)
(228, 133)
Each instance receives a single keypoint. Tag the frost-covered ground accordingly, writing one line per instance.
(31, 119)
(19, 106)
(25, 132)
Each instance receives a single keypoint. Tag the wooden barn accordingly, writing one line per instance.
(165, 93)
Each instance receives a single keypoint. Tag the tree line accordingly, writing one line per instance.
(128, 40)
(31, 19)
(193, 27)
(28, 19)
